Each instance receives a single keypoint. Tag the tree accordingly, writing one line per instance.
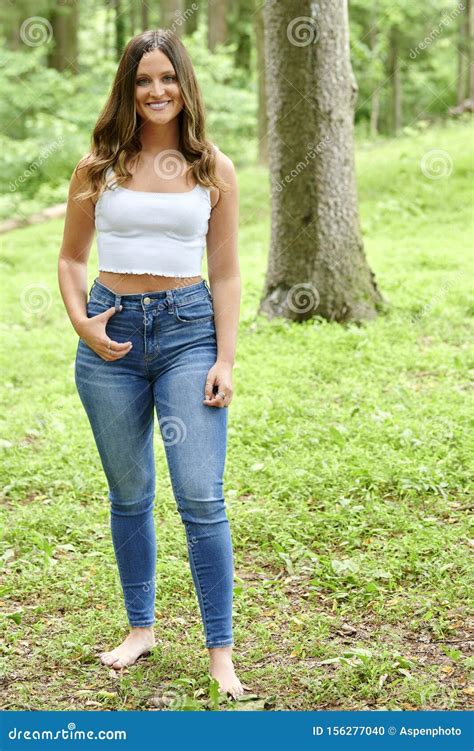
(217, 31)
(465, 81)
(64, 19)
(172, 15)
(316, 264)
(262, 119)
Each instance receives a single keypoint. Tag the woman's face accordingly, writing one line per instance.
(156, 82)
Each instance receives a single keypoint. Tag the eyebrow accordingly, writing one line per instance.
(165, 72)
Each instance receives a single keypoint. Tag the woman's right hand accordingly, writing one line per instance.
(92, 332)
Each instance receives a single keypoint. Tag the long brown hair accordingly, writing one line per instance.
(115, 139)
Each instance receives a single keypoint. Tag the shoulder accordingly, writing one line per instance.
(224, 166)
(79, 178)
(80, 172)
(225, 171)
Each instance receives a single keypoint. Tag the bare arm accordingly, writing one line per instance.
(79, 229)
(223, 262)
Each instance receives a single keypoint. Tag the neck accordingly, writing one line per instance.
(155, 138)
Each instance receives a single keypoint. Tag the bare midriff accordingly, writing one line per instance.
(130, 284)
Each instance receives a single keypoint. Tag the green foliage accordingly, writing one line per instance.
(427, 35)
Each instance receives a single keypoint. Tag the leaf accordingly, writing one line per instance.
(214, 692)
(17, 617)
(382, 680)
(344, 566)
(404, 672)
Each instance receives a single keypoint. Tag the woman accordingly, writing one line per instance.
(152, 334)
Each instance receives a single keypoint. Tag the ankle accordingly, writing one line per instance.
(218, 652)
(141, 629)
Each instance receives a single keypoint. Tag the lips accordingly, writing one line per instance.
(158, 105)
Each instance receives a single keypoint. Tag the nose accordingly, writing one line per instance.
(157, 89)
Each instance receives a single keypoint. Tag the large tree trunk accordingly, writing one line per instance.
(262, 121)
(64, 20)
(316, 264)
(217, 32)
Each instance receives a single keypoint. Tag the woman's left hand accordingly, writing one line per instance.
(220, 376)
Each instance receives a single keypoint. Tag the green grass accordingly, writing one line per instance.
(347, 479)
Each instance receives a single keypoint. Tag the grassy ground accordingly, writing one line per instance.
(347, 480)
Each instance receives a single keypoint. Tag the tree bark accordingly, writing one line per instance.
(317, 265)
(470, 49)
(375, 98)
(144, 14)
(394, 73)
(120, 33)
(217, 32)
(192, 19)
(172, 15)
(262, 119)
(64, 20)
(243, 23)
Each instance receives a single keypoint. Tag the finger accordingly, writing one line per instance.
(116, 354)
(112, 346)
(219, 401)
(208, 389)
(110, 312)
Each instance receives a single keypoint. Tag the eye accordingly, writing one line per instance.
(139, 81)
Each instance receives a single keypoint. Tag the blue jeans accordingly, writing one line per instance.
(174, 346)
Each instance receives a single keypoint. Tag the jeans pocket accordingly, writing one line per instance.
(94, 307)
(200, 310)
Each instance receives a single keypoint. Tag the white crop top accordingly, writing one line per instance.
(140, 232)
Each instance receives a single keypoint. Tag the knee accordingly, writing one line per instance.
(202, 510)
(122, 507)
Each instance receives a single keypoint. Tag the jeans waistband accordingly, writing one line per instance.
(171, 295)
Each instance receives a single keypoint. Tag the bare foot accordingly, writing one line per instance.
(222, 669)
(138, 642)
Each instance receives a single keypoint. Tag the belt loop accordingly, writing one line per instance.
(169, 299)
(117, 302)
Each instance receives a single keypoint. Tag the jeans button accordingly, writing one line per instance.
(147, 300)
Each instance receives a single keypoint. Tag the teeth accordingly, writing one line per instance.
(158, 106)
